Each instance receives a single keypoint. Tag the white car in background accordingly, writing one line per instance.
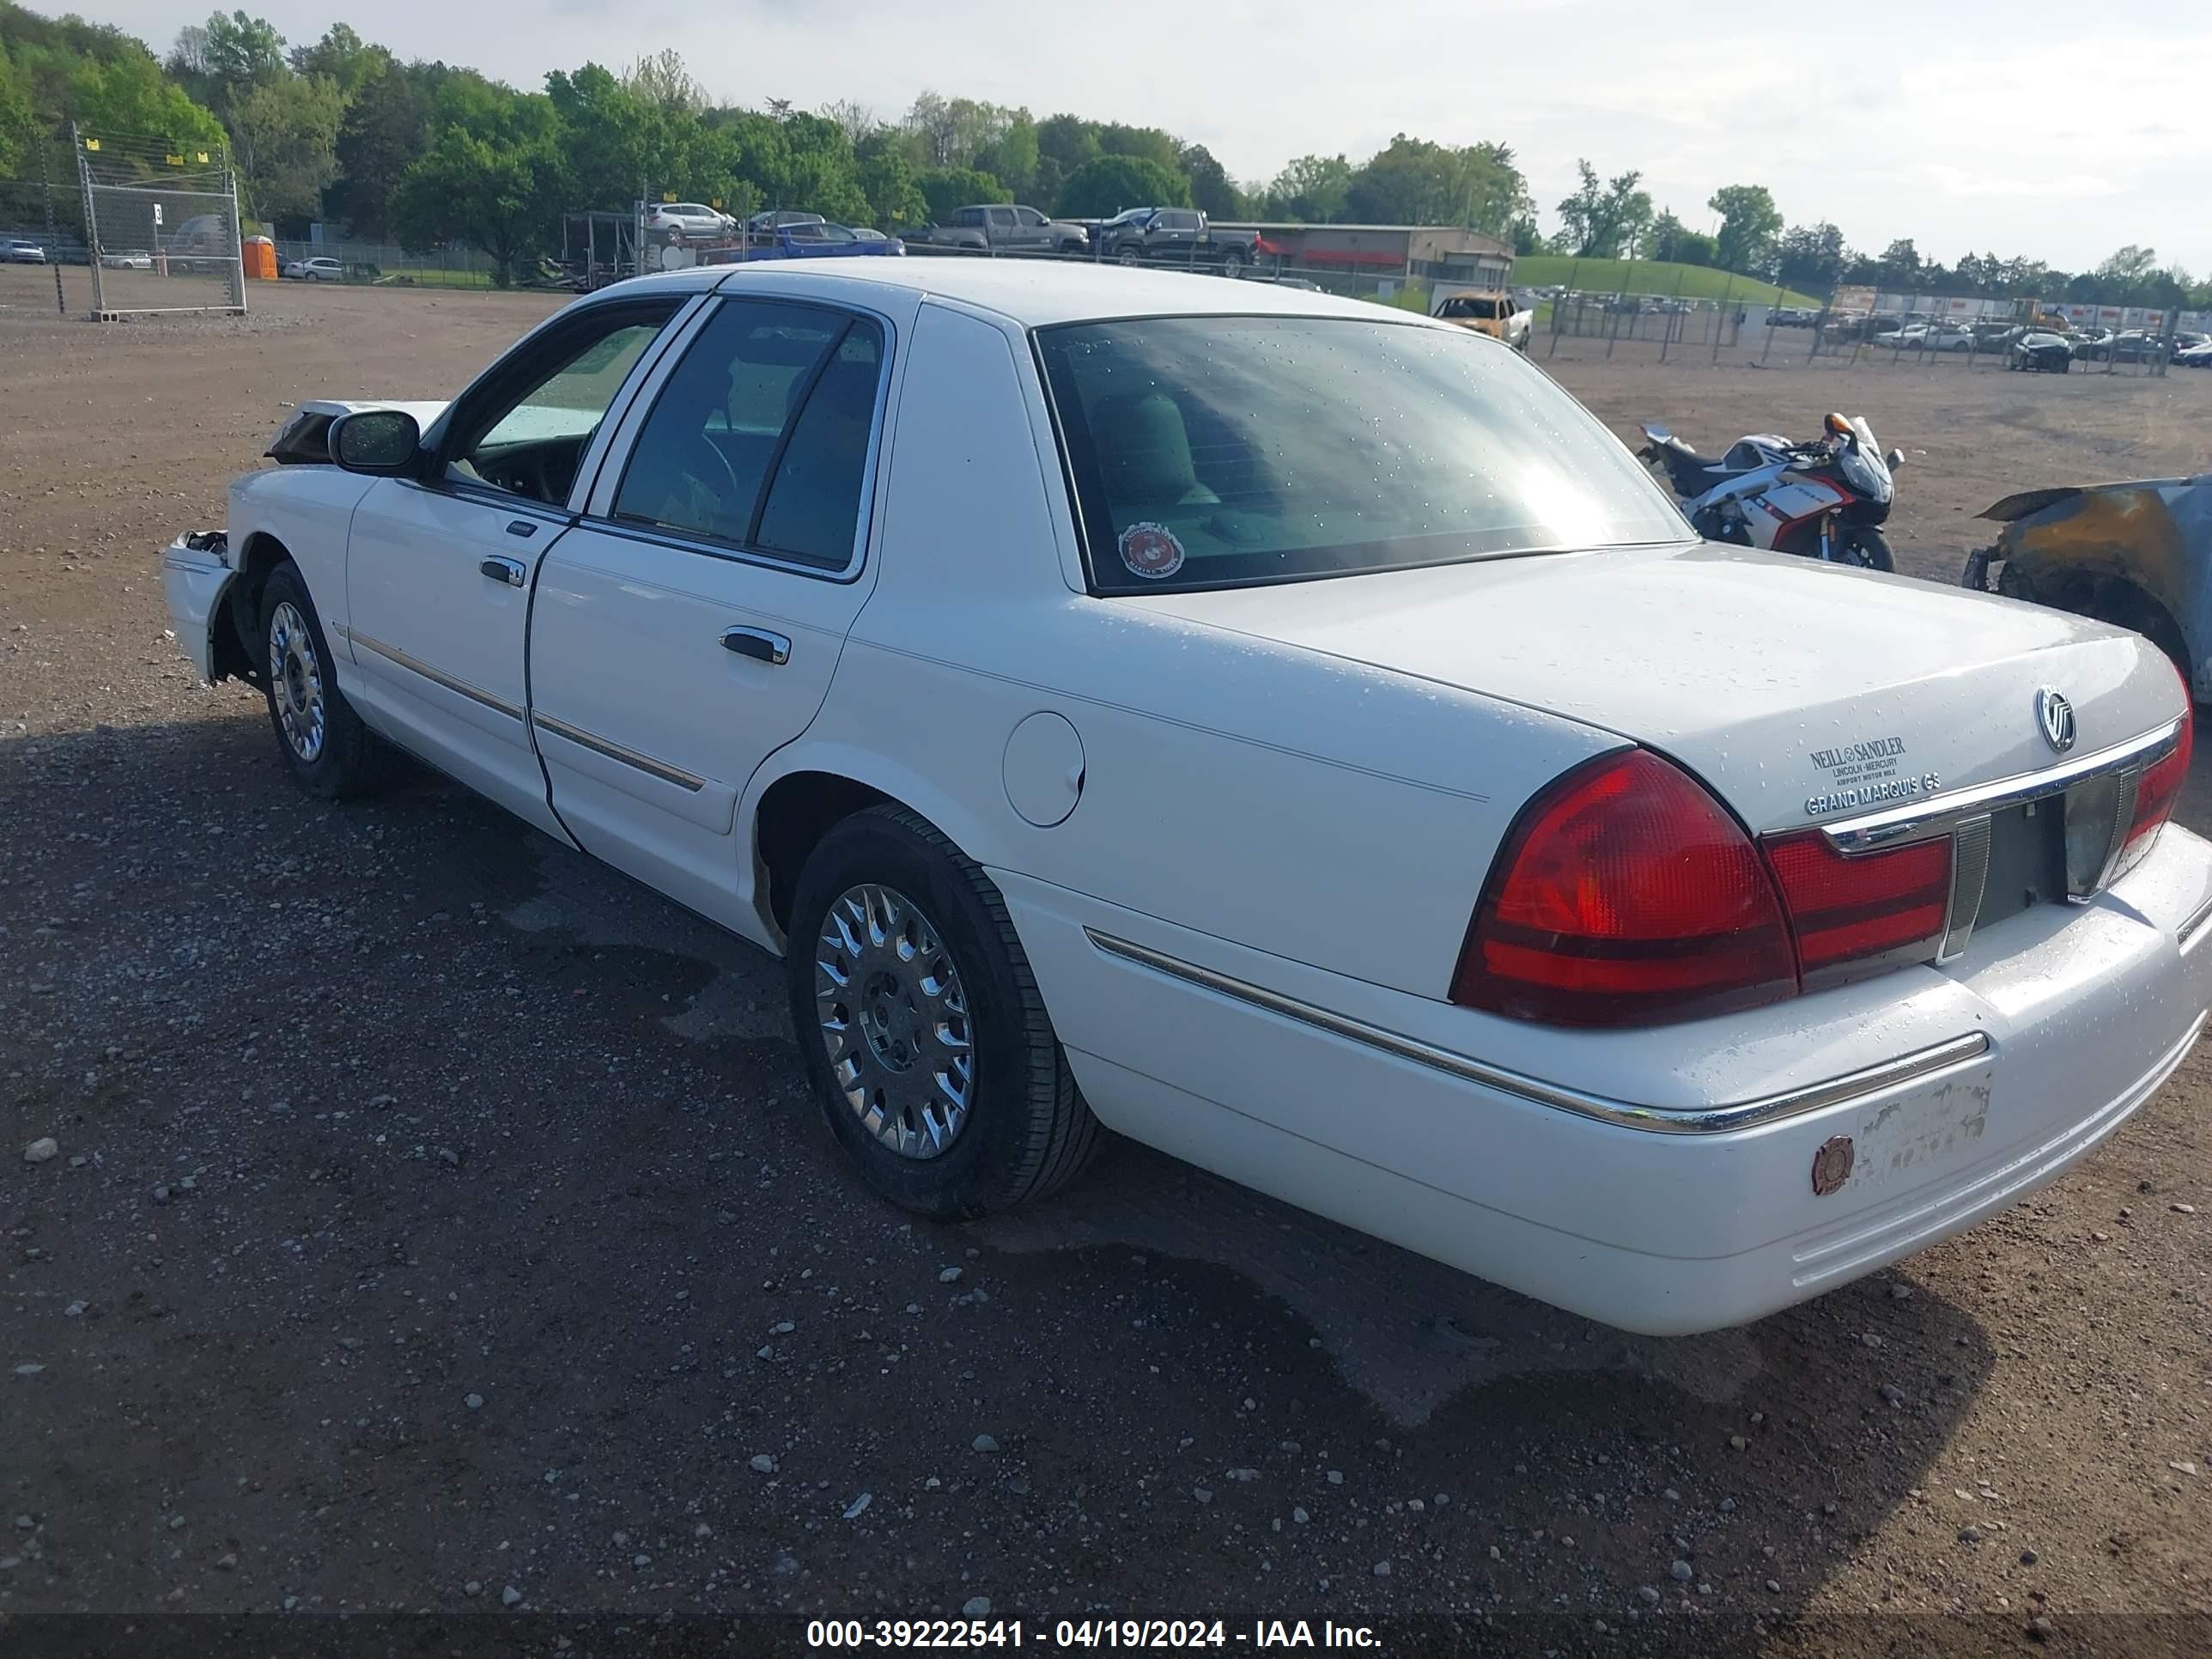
(316, 270)
(693, 218)
(21, 251)
(1289, 732)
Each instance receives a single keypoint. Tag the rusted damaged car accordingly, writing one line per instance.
(2137, 554)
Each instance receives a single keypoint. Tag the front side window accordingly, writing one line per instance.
(1211, 451)
(760, 438)
(527, 431)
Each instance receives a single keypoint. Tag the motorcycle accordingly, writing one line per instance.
(1823, 500)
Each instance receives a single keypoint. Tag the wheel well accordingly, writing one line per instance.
(2116, 599)
(234, 653)
(793, 816)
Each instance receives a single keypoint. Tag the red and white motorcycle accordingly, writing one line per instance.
(1823, 500)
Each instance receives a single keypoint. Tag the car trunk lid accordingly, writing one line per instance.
(1800, 691)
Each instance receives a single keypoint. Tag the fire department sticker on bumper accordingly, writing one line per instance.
(1151, 551)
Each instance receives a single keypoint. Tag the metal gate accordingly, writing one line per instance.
(162, 227)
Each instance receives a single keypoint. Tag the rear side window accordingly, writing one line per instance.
(1212, 451)
(760, 438)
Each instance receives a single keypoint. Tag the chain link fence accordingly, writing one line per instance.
(162, 227)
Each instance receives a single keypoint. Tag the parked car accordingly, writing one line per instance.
(692, 220)
(2199, 357)
(1499, 315)
(2186, 339)
(815, 240)
(128, 259)
(2137, 554)
(2039, 350)
(2135, 345)
(1008, 227)
(320, 268)
(775, 218)
(1183, 234)
(1947, 337)
(2092, 344)
(21, 251)
(1336, 765)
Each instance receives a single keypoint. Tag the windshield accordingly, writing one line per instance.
(1211, 451)
(1469, 308)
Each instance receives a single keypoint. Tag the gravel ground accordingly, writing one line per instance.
(435, 1231)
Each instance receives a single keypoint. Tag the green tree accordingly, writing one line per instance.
(343, 55)
(1144, 143)
(1011, 156)
(1810, 257)
(947, 190)
(386, 131)
(1312, 188)
(1749, 224)
(232, 54)
(492, 178)
(662, 82)
(1103, 187)
(888, 181)
(1603, 220)
(1899, 266)
(285, 134)
(1211, 186)
(1414, 181)
(131, 95)
(17, 135)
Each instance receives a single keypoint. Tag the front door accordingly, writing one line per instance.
(439, 568)
(689, 624)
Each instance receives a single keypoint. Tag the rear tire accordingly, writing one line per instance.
(1867, 548)
(325, 745)
(901, 965)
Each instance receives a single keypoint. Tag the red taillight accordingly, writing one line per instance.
(1625, 895)
(1855, 914)
(2156, 793)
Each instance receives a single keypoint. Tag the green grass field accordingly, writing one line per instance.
(1651, 277)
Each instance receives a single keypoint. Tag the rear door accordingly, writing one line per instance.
(690, 623)
(1005, 229)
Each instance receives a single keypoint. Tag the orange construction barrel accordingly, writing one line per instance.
(261, 258)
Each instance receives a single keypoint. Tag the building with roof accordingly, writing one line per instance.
(1360, 258)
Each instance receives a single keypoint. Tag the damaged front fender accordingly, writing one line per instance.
(2137, 554)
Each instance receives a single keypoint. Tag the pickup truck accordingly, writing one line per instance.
(1181, 234)
(1501, 316)
(1008, 229)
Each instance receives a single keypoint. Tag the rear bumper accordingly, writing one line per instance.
(194, 583)
(2085, 1012)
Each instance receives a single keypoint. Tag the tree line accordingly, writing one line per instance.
(427, 153)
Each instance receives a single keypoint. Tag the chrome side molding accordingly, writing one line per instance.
(1626, 1115)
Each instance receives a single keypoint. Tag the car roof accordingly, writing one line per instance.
(1033, 293)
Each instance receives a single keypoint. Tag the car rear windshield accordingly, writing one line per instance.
(1469, 308)
(1221, 452)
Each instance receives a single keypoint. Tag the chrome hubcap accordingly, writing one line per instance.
(295, 681)
(893, 1021)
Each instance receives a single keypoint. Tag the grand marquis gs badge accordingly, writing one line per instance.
(1869, 772)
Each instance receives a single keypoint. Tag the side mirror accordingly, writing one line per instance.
(1895, 458)
(381, 443)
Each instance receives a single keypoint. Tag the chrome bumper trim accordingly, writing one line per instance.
(2193, 929)
(615, 752)
(1625, 1115)
(393, 653)
(1940, 814)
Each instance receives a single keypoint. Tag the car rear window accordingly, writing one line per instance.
(1484, 308)
(1213, 451)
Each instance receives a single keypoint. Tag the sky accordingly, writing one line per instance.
(2058, 132)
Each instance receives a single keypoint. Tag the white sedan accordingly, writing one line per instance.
(1292, 735)
(316, 270)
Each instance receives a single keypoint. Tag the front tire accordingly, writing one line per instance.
(326, 747)
(925, 1037)
(1867, 548)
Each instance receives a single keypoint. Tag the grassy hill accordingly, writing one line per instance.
(1650, 276)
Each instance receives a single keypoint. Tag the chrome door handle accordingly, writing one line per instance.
(774, 649)
(512, 572)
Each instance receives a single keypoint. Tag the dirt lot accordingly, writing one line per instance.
(441, 1236)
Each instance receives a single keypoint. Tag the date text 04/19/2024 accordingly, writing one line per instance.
(899, 1633)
